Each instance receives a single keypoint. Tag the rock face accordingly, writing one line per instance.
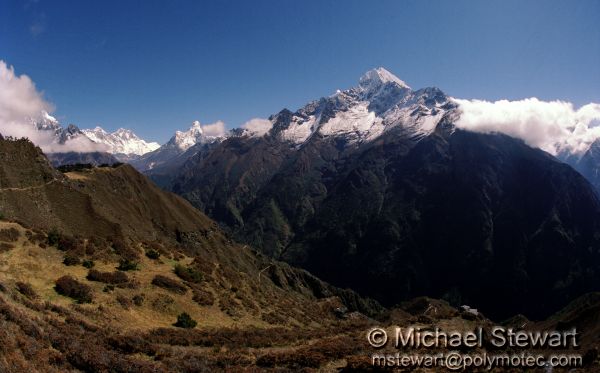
(374, 188)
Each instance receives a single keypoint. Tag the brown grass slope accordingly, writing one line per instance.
(52, 224)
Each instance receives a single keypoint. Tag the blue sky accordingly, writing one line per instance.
(154, 66)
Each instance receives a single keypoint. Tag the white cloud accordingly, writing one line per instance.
(19, 98)
(258, 126)
(216, 129)
(20, 104)
(553, 126)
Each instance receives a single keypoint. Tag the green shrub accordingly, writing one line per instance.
(53, 237)
(152, 254)
(88, 263)
(127, 265)
(71, 260)
(138, 299)
(185, 321)
(188, 274)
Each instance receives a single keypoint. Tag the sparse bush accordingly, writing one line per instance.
(108, 288)
(229, 306)
(26, 289)
(124, 301)
(127, 265)
(132, 344)
(94, 244)
(203, 297)
(71, 260)
(299, 359)
(168, 284)
(188, 274)
(185, 321)
(113, 278)
(53, 237)
(152, 254)
(1, 216)
(72, 288)
(9, 235)
(88, 263)
(203, 265)
(138, 299)
(125, 251)
(39, 238)
(233, 337)
(66, 243)
(5, 246)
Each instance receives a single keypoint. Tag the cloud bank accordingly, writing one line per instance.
(553, 126)
(21, 104)
(19, 98)
(258, 126)
(216, 129)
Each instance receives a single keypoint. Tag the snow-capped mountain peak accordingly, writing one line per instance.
(99, 130)
(380, 102)
(46, 122)
(186, 139)
(122, 141)
(379, 76)
(48, 118)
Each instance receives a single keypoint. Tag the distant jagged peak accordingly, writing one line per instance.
(121, 141)
(98, 129)
(48, 118)
(379, 76)
(198, 133)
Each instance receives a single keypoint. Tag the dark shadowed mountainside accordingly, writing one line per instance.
(405, 208)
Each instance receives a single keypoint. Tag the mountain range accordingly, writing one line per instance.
(376, 188)
(122, 144)
(307, 232)
(97, 263)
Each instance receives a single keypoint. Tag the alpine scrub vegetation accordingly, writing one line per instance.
(152, 254)
(185, 321)
(70, 287)
(169, 284)
(189, 274)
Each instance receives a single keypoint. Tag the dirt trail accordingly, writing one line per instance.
(31, 187)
